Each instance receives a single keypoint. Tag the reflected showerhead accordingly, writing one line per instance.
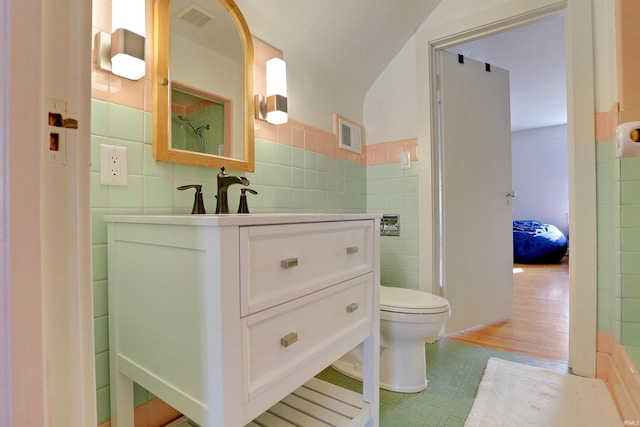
(184, 119)
(197, 131)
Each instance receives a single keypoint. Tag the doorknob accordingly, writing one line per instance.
(510, 195)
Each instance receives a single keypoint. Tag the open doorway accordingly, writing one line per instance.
(534, 54)
(582, 161)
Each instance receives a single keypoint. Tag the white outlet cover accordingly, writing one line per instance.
(107, 152)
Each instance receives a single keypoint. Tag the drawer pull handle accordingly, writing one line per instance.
(352, 250)
(352, 307)
(289, 339)
(288, 263)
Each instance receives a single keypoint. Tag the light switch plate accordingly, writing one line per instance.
(405, 160)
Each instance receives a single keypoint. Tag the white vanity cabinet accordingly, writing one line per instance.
(228, 318)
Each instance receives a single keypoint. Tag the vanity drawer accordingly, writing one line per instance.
(291, 336)
(279, 263)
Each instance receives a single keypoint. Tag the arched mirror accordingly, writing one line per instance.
(202, 84)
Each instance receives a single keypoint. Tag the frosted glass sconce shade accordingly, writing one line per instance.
(273, 107)
(122, 52)
(127, 54)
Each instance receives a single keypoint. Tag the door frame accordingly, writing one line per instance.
(45, 230)
(580, 132)
(6, 396)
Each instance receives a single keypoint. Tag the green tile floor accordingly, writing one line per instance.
(454, 371)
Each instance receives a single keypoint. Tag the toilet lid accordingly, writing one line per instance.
(402, 300)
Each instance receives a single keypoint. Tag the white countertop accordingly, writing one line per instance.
(238, 219)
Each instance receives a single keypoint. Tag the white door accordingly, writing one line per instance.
(475, 176)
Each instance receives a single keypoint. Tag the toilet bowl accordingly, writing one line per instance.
(408, 317)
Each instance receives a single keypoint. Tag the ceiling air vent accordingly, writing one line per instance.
(196, 15)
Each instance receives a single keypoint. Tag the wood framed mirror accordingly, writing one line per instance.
(202, 85)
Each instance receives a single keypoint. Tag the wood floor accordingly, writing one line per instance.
(540, 323)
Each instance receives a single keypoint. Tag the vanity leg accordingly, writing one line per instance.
(121, 400)
(371, 377)
(371, 346)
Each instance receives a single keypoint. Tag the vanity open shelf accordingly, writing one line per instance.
(228, 318)
(317, 403)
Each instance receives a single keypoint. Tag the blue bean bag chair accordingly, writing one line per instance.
(537, 243)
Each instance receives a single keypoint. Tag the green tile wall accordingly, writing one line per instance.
(287, 179)
(629, 244)
(607, 168)
(290, 179)
(395, 191)
(618, 198)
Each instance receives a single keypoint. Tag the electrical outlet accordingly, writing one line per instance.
(115, 168)
(113, 165)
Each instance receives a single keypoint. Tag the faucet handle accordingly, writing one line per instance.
(243, 207)
(198, 203)
(198, 187)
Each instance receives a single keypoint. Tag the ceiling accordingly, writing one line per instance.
(348, 43)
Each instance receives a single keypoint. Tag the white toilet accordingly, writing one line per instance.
(408, 317)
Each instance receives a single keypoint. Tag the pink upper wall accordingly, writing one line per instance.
(628, 65)
(110, 88)
(628, 58)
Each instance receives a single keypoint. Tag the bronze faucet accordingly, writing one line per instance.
(224, 181)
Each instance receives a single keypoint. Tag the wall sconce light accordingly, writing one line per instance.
(122, 51)
(273, 106)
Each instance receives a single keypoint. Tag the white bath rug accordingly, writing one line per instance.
(512, 394)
